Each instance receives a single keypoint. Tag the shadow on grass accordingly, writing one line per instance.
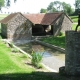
(36, 76)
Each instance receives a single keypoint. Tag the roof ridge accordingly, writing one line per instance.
(8, 18)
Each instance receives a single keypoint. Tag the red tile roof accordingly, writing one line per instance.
(41, 18)
(8, 18)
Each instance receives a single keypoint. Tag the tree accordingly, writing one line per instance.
(51, 8)
(8, 2)
(67, 8)
(43, 10)
(5, 3)
(58, 6)
(77, 6)
(1, 3)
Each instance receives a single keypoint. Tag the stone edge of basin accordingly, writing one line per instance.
(50, 46)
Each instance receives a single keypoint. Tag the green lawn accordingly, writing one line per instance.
(74, 18)
(74, 26)
(11, 62)
(58, 41)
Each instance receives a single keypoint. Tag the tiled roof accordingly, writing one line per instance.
(8, 18)
(41, 18)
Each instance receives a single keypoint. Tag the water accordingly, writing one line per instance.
(47, 52)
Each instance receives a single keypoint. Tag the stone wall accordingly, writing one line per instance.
(57, 26)
(72, 58)
(61, 25)
(66, 25)
(19, 28)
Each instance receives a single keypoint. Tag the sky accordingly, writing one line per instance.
(32, 6)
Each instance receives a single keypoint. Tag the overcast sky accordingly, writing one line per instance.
(32, 6)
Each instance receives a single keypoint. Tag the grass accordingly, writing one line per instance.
(74, 18)
(74, 26)
(11, 62)
(58, 41)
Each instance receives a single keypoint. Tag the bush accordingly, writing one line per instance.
(36, 59)
(60, 34)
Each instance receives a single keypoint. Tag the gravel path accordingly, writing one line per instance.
(53, 62)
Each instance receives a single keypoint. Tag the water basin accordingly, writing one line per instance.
(47, 52)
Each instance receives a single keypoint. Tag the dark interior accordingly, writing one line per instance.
(42, 30)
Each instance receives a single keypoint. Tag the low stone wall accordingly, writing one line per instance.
(17, 48)
(51, 46)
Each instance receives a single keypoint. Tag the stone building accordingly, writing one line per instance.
(16, 27)
(49, 23)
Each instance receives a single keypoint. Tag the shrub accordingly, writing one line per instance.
(60, 34)
(36, 59)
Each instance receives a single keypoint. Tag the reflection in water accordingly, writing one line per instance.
(47, 52)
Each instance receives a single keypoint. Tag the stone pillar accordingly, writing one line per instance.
(72, 57)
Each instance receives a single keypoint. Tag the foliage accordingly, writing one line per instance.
(77, 4)
(36, 58)
(61, 34)
(51, 8)
(58, 6)
(77, 7)
(1, 3)
(6, 3)
(43, 10)
(67, 8)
